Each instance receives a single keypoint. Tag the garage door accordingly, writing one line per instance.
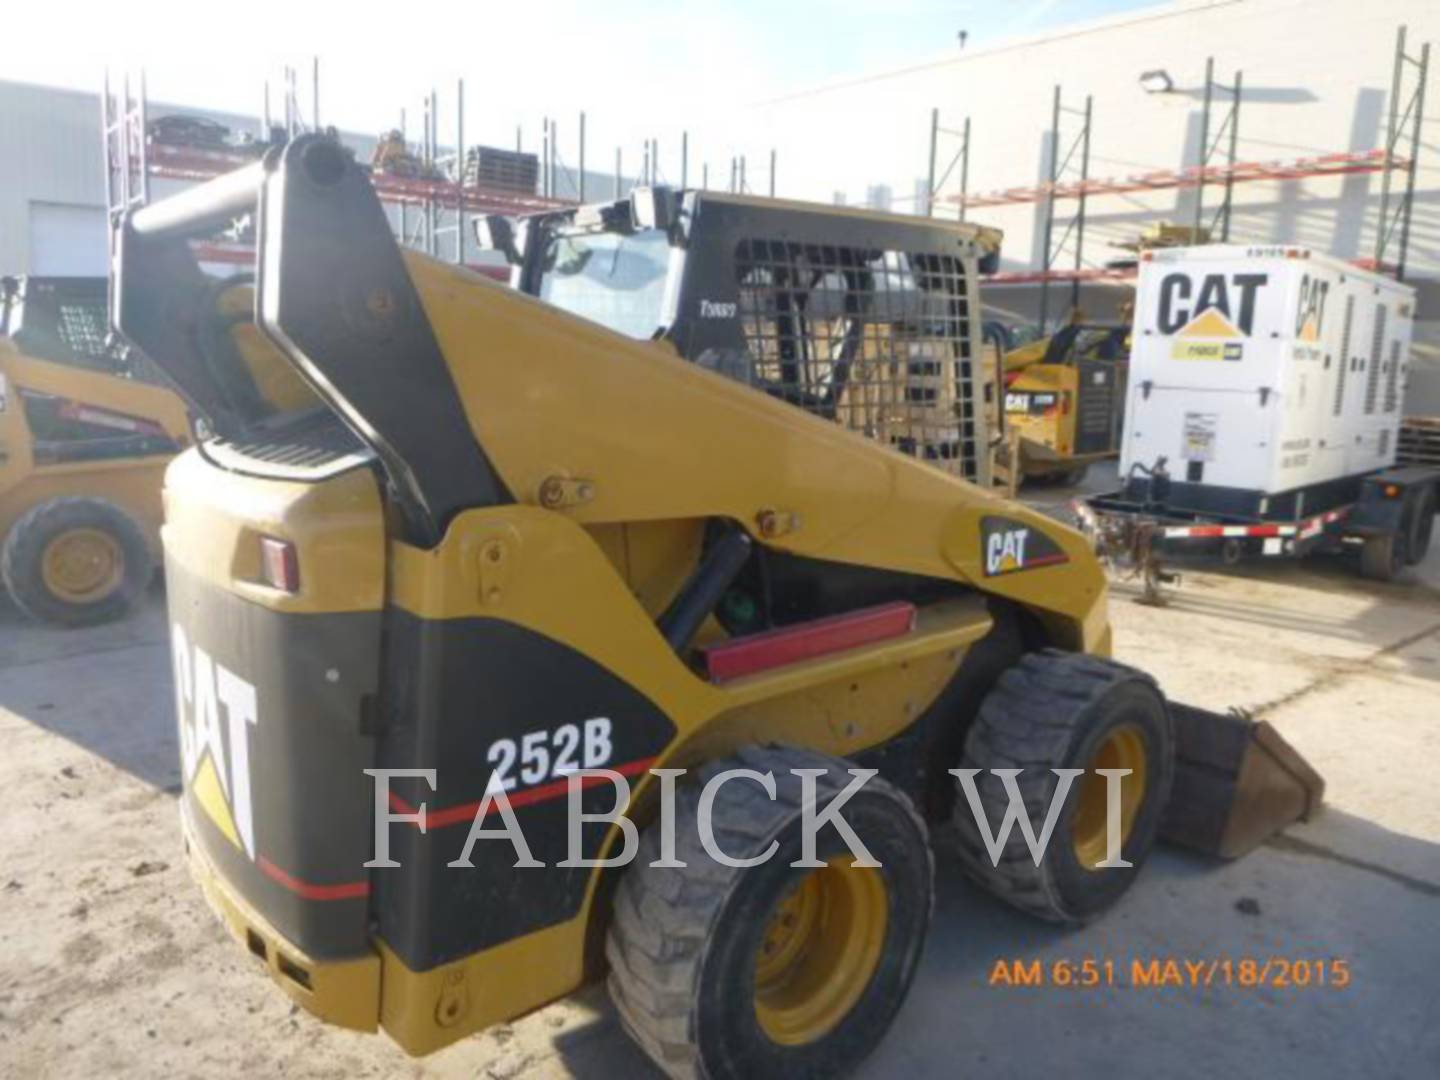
(67, 239)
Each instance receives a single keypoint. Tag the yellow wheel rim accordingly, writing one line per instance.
(1123, 748)
(82, 565)
(821, 947)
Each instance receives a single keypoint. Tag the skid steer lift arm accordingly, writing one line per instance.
(335, 297)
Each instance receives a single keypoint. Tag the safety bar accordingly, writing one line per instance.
(334, 296)
(201, 209)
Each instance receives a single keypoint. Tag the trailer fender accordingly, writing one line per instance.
(1389, 499)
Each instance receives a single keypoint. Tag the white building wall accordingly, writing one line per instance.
(1317, 77)
(52, 140)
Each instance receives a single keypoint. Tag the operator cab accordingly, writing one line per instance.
(850, 315)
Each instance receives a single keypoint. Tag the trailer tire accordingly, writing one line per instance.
(1381, 557)
(76, 561)
(1420, 525)
(1052, 710)
(689, 946)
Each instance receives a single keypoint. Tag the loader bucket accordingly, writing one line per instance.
(1237, 783)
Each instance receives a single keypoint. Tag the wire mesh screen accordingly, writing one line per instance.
(82, 327)
(878, 341)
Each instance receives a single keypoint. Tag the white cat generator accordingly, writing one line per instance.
(1262, 414)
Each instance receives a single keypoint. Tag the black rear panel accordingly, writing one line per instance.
(300, 760)
(1096, 422)
(455, 688)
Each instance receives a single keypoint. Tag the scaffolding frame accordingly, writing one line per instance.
(1229, 125)
(123, 127)
(444, 205)
(1413, 112)
(934, 185)
(1051, 250)
(1392, 233)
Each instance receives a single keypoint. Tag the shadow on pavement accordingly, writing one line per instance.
(104, 688)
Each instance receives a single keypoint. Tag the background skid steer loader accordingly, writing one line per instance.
(85, 436)
(494, 539)
(1065, 398)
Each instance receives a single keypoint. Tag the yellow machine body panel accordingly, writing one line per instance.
(589, 407)
(1040, 406)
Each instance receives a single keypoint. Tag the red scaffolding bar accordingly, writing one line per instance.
(1342, 164)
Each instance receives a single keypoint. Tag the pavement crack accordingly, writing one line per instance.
(1342, 670)
(1320, 851)
(40, 661)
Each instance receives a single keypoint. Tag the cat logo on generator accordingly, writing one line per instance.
(1211, 319)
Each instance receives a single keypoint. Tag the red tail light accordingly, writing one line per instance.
(279, 564)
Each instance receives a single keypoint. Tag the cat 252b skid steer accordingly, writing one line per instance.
(439, 524)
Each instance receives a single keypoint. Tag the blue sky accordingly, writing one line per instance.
(638, 67)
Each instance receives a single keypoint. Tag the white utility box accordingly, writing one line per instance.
(1264, 370)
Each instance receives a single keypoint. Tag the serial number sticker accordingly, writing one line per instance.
(1198, 435)
(1176, 973)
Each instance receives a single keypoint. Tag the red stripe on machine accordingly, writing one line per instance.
(452, 815)
(350, 890)
(1046, 560)
(819, 637)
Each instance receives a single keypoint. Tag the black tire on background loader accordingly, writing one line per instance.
(684, 943)
(1060, 477)
(1055, 709)
(22, 560)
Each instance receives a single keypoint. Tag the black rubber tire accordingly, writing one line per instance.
(682, 943)
(1420, 526)
(22, 555)
(1052, 710)
(1381, 557)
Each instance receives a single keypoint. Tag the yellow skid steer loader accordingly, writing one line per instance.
(1065, 399)
(85, 436)
(448, 546)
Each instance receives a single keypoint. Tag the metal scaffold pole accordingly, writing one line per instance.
(965, 169)
(1229, 128)
(930, 173)
(935, 184)
(1050, 209)
(1413, 115)
(1080, 211)
(1058, 167)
